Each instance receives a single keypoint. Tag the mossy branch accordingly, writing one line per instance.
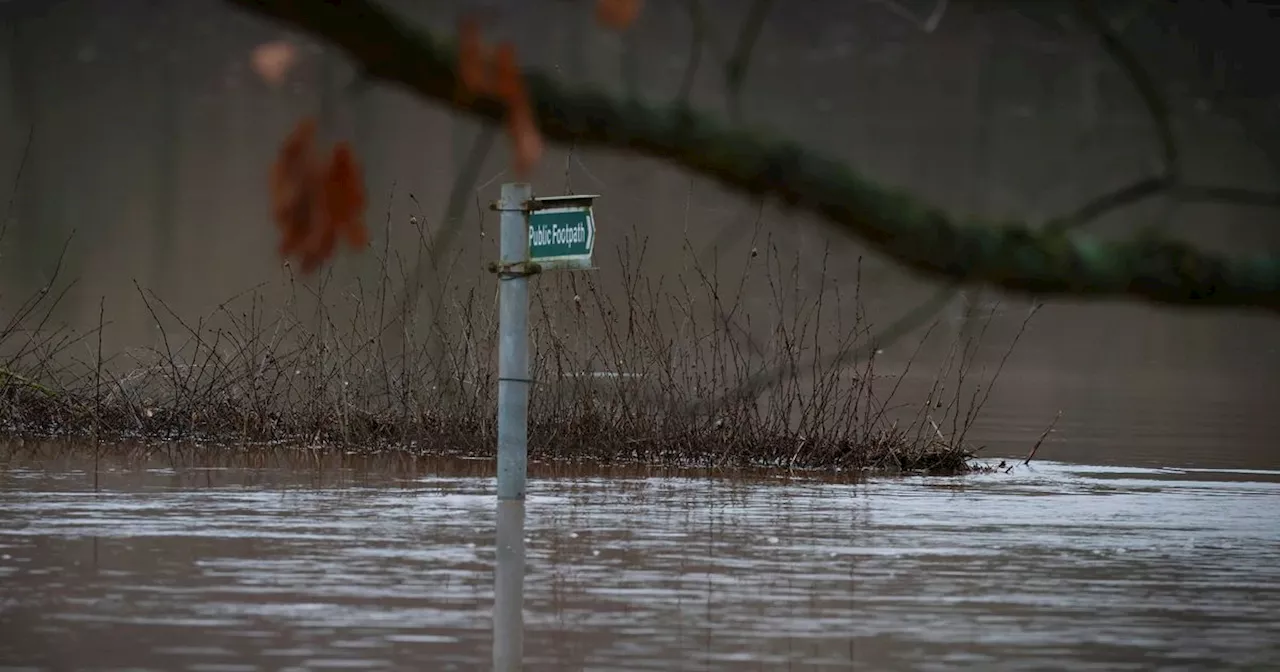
(8, 377)
(1013, 256)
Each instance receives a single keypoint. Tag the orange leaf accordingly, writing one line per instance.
(273, 60)
(473, 59)
(617, 14)
(526, 141)
(344, 195)
(507, 83)
(314, 200)
(499, 76)
(290, 184)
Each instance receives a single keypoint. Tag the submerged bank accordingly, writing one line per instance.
(588, 432)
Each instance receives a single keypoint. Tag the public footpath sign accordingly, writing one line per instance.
(562, 232)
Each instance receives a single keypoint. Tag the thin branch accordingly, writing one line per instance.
(1150, 187)
(1044, 435)
(928, 25)
(696, 46)
(723, 237)
(935, 18)
(1188, 193)
(916, 234)
(452, 224)
(736, 68)
(904, 325)
(1142, 82)
(629, 64)
(1111, 201)
(17, 181)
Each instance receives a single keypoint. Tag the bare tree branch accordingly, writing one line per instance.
(935, 17)
(1150, 187)
(17, 182)
(697, 45)
(1142, 82)
(463, 187)
(736, 69)
(916, 234)
(928, 25)
(755, 384)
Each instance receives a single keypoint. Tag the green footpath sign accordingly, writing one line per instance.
(562, 232)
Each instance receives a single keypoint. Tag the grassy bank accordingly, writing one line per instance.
(683, 370)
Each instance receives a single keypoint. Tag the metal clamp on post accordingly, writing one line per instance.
(519, 206)
(515, 269)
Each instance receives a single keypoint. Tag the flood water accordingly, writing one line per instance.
(206, 563)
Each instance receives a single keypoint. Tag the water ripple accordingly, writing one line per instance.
(1058, 566)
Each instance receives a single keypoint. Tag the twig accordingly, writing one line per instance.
(97, 395)
(97, 375)
(1043, 436)
(929, 25)
(902, 326)
(935, 17)
(1236, 196)
(696, 47)
(1150, 187)
(30, 304)
(629, 65)
(1142, 82)
(736, 69)
(26, 382)
(452, 224)
(17, 181)
(1022, 328)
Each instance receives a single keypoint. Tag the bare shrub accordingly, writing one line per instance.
(658, 376)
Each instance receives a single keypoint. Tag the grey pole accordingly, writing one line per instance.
(513, 342)
(508, 589)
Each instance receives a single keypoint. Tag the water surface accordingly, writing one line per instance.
(173, 564)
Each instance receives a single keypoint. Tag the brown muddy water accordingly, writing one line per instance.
(219, 564)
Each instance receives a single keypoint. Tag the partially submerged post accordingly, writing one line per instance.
(542, 234)
(508, 588)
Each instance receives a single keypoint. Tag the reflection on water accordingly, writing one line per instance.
(233, 568)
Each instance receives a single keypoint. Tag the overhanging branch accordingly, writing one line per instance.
(924, 238)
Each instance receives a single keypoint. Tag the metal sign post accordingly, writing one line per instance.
(537, 234)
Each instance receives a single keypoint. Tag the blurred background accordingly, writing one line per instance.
(136, 134)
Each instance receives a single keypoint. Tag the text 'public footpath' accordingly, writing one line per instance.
(573, 234)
